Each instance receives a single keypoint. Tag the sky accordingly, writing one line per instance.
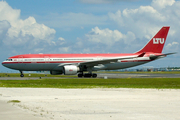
(87, 26)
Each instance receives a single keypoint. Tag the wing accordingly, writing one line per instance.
(101, 61)
(106, 61)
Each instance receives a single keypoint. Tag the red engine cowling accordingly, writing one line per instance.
(71, 70)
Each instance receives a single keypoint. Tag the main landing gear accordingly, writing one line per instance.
(22, 75)
(87, 75)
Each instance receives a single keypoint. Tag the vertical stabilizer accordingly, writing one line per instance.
(156, 44)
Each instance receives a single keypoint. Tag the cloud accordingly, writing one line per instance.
(109, 37)
(105, 36)
(159, 4)
(172, 47)
(17, 32)
(139, 26)
(139, 20)
(60, 38)
(134, 27)
(65, 49)
(4, 26)
(146, 21)
(104, 1)
(171, 44)
(60, 41)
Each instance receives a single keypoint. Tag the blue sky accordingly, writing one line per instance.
(87, 26)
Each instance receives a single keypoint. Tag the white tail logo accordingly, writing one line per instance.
(158, 40)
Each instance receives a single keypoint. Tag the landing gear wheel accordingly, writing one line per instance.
(80, 75)
(94, 75)
(88, 75)
(21, 75)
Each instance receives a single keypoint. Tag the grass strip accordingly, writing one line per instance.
(158, 83)
(13, 101)
(32, 75)
(48, 75)
(142, 72)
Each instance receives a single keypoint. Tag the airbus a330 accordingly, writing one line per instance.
(72, 64)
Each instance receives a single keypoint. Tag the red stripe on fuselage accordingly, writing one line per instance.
(42, 62)
(69, 62)
(78, 55)
(69, 55)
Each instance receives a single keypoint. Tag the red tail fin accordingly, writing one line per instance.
(156, 44)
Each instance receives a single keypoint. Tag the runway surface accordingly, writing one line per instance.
(9, 112)
(97, 104)
(90, 104)
(102, 75)
(137, 75)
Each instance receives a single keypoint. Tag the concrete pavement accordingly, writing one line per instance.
(88, 104)
(9, 112)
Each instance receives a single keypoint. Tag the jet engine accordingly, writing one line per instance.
(71, 70)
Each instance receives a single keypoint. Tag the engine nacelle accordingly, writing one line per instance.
(71, 70)
(54, 72)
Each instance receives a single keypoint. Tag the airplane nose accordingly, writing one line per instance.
(4, 64)
(8, 65)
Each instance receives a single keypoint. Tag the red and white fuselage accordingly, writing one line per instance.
(78, 63)
(44, 62)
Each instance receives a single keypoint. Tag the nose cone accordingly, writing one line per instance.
(9, 64)
(4, 64)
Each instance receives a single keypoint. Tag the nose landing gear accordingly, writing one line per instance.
(22, 75)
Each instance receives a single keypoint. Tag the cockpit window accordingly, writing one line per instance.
(8, 59)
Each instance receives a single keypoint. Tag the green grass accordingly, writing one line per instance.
(144, 72)
(13, 101)
(32, 75)
(158, 83)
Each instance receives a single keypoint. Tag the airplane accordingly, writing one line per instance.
(72, 64)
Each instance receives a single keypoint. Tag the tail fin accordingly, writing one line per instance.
(156, 44)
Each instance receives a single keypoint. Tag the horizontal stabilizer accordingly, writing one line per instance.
(153, 57)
